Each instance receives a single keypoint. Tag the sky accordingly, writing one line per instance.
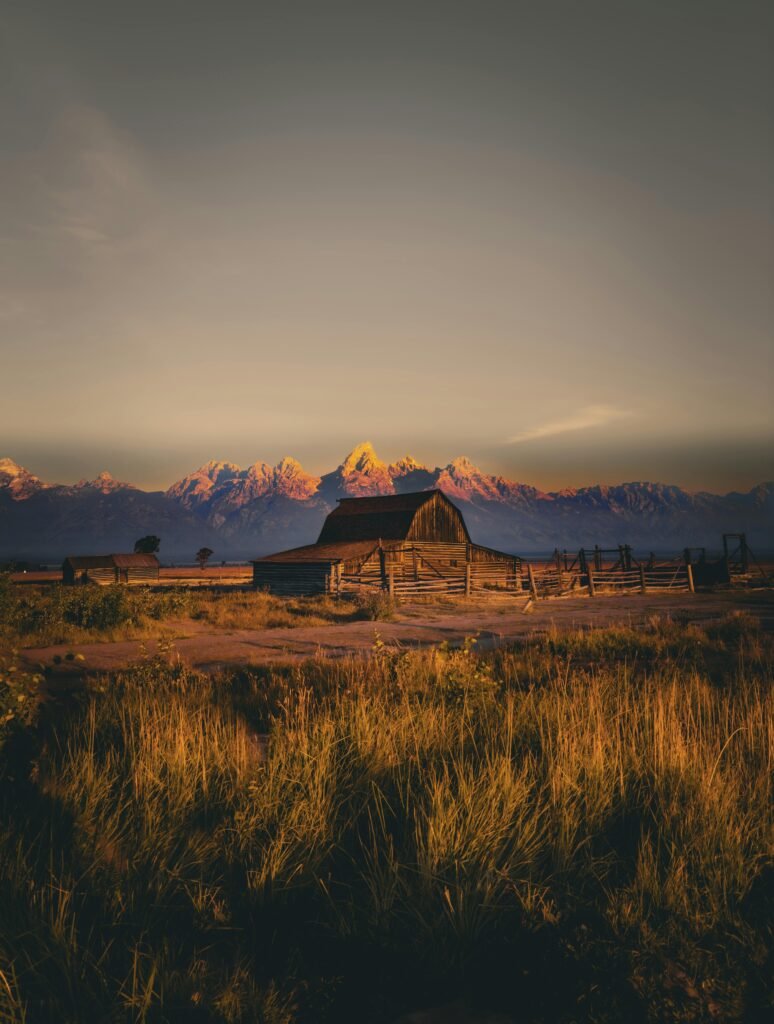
(537, 234)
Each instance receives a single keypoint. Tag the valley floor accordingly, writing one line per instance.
(494, 621)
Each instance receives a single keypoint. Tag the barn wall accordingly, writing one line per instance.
(142, 574)
(293, 578)
(102, 576)
(438, 520)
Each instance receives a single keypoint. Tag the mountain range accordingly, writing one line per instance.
(244, 513)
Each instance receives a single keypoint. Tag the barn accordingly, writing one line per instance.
(404, 543)
(106, 569)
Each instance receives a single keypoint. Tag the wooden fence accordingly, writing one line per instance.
(538, 581)
(666, 577)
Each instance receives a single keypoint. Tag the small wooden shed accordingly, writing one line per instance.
(106, 569)
(404, 543)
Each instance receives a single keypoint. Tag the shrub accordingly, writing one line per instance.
(375, 605)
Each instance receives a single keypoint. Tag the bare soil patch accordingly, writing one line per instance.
(495, 622)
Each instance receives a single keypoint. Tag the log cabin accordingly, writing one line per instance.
(107, 569)
(404, 543)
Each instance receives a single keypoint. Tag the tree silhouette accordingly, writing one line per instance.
(203, 555)
(147, 545)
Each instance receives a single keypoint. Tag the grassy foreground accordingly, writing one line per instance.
(579, 829)
(42, 616)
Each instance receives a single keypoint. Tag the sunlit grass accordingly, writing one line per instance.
(577, 829)
(58, 614)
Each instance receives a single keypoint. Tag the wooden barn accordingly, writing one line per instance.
(106, 569)
(403, 543)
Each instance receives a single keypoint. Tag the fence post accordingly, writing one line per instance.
(689, 574)
(532, 587)
(642, 579)
(592, 589)
(467, 579)
(391, 581)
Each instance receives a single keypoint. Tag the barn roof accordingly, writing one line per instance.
(382, 517)
(340, 551)
(112, 561)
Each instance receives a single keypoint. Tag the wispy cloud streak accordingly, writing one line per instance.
(589, 416)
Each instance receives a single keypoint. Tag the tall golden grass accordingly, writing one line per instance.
(579, 829)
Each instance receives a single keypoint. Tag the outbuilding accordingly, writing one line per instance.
(403, 543)
(106, 569)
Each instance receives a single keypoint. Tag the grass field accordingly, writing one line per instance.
(576, 829)
(60, 614)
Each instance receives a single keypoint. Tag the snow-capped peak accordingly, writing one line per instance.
(104, 482)
(10, 468)
(17, 480)
(408, 464)
(363, 473)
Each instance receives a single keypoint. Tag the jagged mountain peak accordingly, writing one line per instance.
(17, 480)
(216, 470)
(104, 482)
(361, 458)
(10, 468)
(408, 464)
(194, 488)
(462, 466)
(361, 473)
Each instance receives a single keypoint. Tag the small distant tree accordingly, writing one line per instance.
(203, 556)
(147, 545)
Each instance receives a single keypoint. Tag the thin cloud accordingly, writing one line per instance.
(589, 416)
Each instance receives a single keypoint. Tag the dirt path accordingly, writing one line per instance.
(494, 623)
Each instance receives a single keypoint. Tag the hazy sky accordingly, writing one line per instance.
(539, 234)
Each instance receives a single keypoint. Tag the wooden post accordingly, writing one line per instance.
(391, 581)
(382, 564)
(642, 580)
(467, 579)
(689, 574)
(597, 557)
(532, 587)
(592, 590)
(744, 552)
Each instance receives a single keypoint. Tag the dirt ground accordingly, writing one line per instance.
(494, 621)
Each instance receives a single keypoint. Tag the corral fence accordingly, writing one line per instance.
(520, 578)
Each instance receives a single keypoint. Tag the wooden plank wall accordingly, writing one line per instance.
(291, 579)
(437, 520)
(102, 576)
(145, 574)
